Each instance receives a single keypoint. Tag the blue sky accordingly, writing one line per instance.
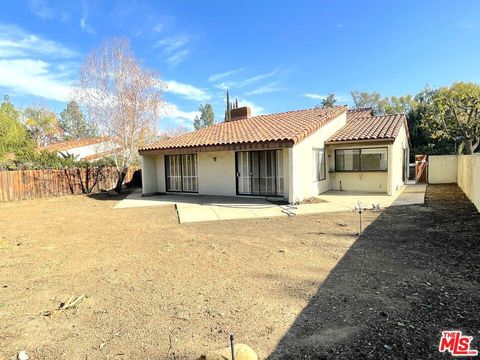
(273, 56)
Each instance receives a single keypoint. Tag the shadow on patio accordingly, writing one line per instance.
(413, 273)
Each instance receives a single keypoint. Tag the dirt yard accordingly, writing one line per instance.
(300, 287)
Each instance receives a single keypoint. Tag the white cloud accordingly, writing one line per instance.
(256, 109)
(178, 57)
(171, 111)
(216, 77)
(15, 42)
(33, 77)
(268, 88)
(315, 96)
(248, 81)
(175, 48)
(188, 91)
(32, 65)
(174, 43)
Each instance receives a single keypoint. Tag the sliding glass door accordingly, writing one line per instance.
(181, 173)
(260, 172)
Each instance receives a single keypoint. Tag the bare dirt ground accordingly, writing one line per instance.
(301, 287)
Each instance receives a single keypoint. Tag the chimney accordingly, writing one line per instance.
(241, 113)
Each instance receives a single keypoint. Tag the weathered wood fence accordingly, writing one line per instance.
(32, 184)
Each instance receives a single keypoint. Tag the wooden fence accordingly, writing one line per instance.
(32, 184)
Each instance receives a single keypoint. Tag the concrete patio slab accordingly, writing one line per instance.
(196, 208)
(412, 195)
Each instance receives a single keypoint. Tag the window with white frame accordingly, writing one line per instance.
(319, 172)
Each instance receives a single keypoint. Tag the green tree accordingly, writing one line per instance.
(74, 123)
(42, 125)
(197, 124)
(455, 115)
(14, 139)
(207, 117)
(382, 105)
(328, 101)
(228, 109)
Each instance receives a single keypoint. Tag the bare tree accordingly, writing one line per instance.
(172, 132)
(123, 100)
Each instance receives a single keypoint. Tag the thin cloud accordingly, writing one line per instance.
(175, 48)
(268, 88)
(158, 28)
(188, 91)
(44, 11)
(256, 78)
(249, 81)
(178, 57)
(41, 9)
(84, 19)
(216, 77)
(315, 96)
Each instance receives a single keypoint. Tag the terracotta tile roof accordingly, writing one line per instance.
(358, 128)
(287, 126)
(72, 144)
(356, 113)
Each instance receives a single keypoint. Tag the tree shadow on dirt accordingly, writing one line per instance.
(413, 273)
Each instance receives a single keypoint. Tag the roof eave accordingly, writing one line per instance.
(241, 146)
(361, 141)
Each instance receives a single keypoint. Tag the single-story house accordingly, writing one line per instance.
(292, 155)
(81, 149)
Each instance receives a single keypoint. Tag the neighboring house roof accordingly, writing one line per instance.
(369, 128)
(72, 144)
(97, 155)
(290, 126)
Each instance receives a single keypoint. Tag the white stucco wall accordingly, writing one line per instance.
(359, 181)
(395, 161)
(87, 150)
(216, 177)
(468, 177)
(301, 177)
(149, 175)
(371, 181)
(442, 169)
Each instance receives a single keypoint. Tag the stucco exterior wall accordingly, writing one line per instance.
(468, 177)
(359, 181)
(395, 161)
(301, 177)
(442, 169)
(372, 181)
(149, 175)
(216, 177)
